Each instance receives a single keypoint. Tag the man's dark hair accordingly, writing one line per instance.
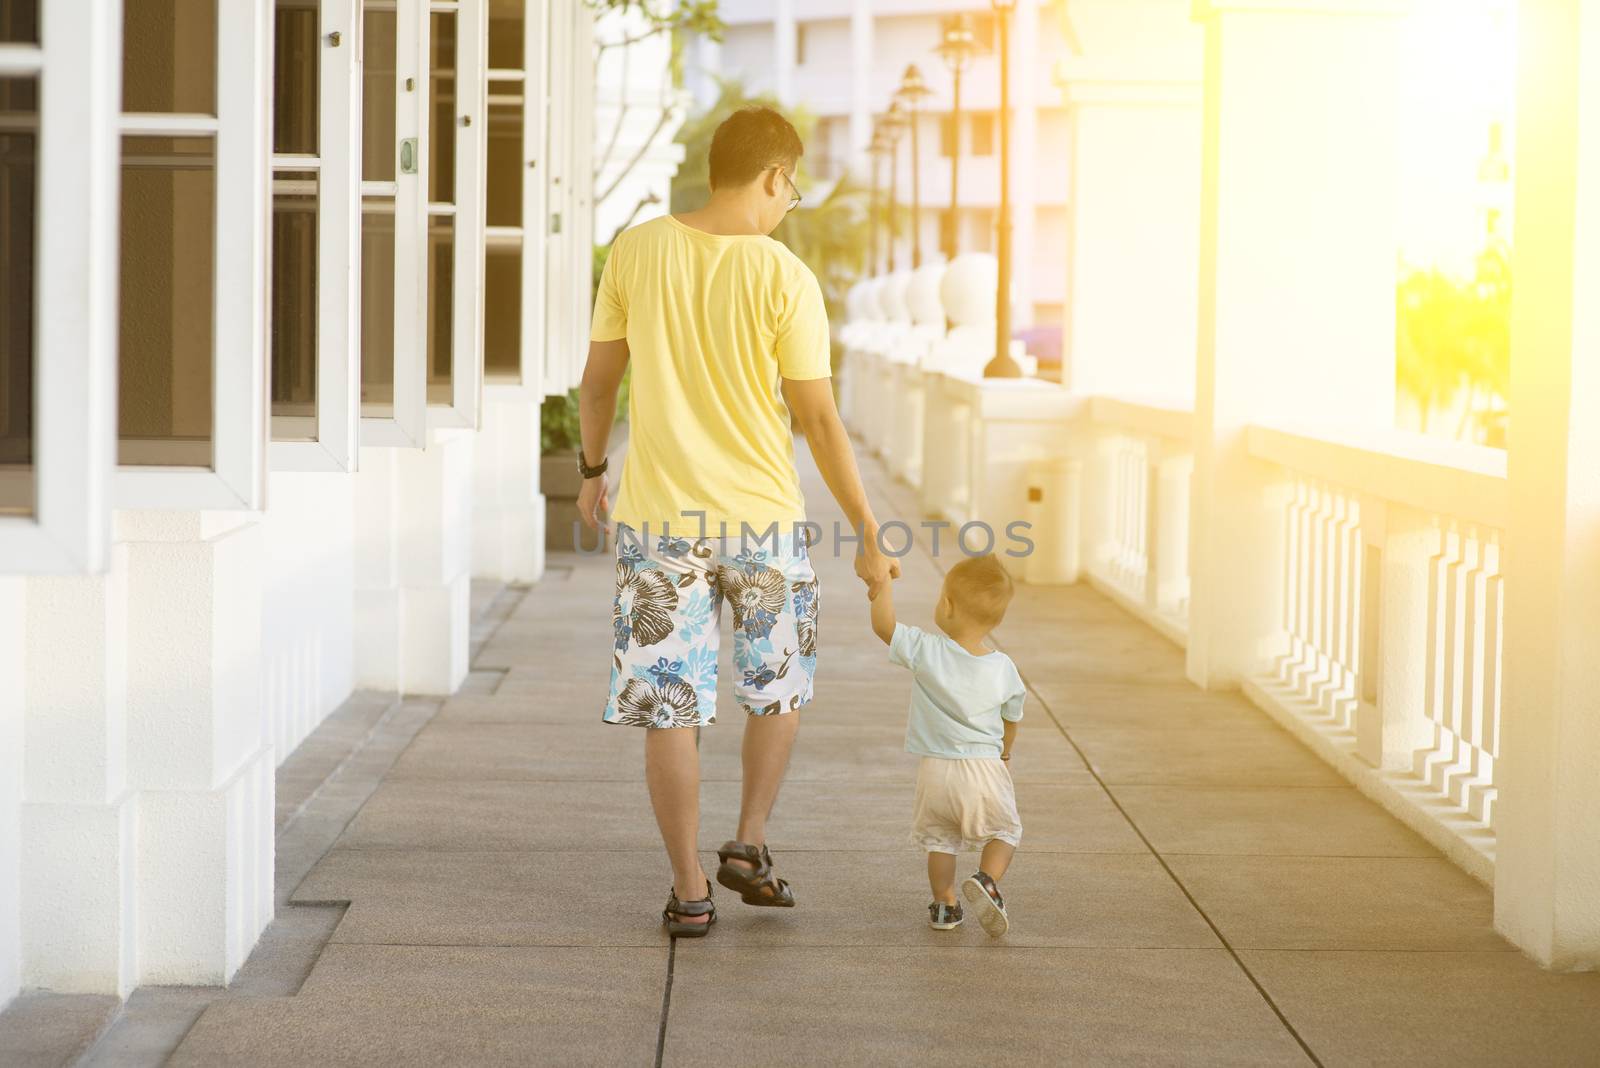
(748, 142)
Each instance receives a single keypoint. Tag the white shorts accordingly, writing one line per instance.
(964, 804)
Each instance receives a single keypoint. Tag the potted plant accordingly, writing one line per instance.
(559, 438)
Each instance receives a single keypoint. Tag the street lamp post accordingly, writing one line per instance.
(1003, 366)
(956, 48)
(911, 93)
(894, 124)
(878, 148)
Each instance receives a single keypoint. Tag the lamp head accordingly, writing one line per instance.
(912, 87)
(958, 44)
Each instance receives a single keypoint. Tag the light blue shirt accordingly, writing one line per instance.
(958, 701)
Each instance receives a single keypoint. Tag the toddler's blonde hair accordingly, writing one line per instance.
(980, 588)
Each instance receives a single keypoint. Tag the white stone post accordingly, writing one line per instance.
(413, 565)
(13, 593)
(199, 749)
(508, 509)
(79, 816)
(1547, 867)
(1296, 305)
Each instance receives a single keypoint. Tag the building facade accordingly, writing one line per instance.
(286, 282)
(842, 60)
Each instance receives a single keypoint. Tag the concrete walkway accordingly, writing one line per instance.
(1193, 886)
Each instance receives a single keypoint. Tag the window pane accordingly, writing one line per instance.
(169, 52)
(294, 304)
(982, 135)
(505, 34)
(502, 299)
(168, 259)
(294, 78)
(19, 21)
(19, 139)
(378, 53)
(442, 119)
(441, 296)
(505, 155)
(377, 308)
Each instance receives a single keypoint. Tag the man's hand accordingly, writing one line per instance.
(594, 503)
(874, 568)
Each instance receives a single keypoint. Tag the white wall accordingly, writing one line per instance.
(11, 611)
(308, 604)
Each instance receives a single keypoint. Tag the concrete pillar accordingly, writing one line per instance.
(783, 34)
(1547, 864)
(13, 592)
(1296, 302)
(79, 814)
(508, 513)
(1133, 239)
(199, 751)
(413, 565)
(861, 67)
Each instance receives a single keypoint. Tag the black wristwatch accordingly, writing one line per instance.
(592, 472)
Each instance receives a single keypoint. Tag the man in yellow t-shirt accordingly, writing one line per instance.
(727, 335)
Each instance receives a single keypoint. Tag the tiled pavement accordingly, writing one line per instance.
(1193, 886)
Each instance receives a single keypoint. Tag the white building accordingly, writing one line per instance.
(842, 60)
(251, 461)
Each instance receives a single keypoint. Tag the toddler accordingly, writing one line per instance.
(966, 700)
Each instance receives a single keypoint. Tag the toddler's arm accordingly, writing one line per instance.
(883, 613)
(1009, 737)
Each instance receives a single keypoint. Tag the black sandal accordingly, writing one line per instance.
(754, 887)
(704, 907)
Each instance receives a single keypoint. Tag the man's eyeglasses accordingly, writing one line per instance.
(794, 200)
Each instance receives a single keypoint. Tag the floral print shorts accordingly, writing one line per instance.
(667, 621)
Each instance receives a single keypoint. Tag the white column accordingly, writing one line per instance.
(508, 513)
(1024, 135)
(1132, 293)
(413, 565)
(1296, 305)
(13, 592)
(199, 751)
(709, 55)
(79, 901)
(861, 67)
(783, 31)
(1547, 864)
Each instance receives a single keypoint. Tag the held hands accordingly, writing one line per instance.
(874, 568)
(594, 503)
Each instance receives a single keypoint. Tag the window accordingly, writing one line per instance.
(799, 43)
(314, 204)
(948, 222)
(190, 409)
(569, 248)
(983, 134)
(949, 136)
(392, 371)
(456, 142)
(513, 266)
(984, 26)
(57, 323)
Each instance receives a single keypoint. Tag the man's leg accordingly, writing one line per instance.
(672, 770)
(767, 743)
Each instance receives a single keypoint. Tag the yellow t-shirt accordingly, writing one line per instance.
(713, 323)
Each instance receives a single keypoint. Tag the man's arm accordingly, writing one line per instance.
(811, 401)
(883, 613)
(597, 411)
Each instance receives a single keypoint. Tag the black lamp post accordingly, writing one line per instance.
(1003, 366)
(893, 125)
(878, 148)
(956, 48)
(911, 93)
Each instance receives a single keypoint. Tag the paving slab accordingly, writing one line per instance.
(589, 752)
(952, 1006)
(45, 1030)
(412, 1005)
(1180, 705)
(1434, 1010)
(1266, 756)
(1282, 821)
(1396, 903)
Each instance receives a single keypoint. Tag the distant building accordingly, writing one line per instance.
(841, 60)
